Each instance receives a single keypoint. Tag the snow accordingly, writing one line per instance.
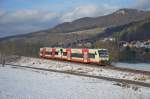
(19, 83)
(67, 66)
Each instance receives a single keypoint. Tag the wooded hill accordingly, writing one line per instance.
(129, 32)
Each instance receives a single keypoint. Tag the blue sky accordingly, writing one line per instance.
(23, 16)
(60, 4)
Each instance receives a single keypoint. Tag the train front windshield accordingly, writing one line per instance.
(103, 53)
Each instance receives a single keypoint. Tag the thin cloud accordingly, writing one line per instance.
(22, 21)
(142, 4)
(26, 15)
(87, 11)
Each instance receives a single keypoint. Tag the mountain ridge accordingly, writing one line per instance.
(113, 19)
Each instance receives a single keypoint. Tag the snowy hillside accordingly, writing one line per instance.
(19, 83)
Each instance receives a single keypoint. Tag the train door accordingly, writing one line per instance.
(61, 52)
(68, 53)
(43, 52)
(53, 52)
(85, 55)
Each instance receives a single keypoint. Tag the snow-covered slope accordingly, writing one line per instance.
(67, 66)
(29, 84)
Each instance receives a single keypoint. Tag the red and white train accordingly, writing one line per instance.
(98, 56)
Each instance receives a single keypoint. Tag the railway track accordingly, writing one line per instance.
(87, 75)
(108, 67)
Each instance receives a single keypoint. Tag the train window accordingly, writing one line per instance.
(103, 53)
(56, 53)
(64, 53)
(91, 55)
(78, 55)
(49, 53)
(95, 53)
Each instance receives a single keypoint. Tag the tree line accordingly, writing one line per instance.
(116, 52)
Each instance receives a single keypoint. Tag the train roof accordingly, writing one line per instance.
(77, 48)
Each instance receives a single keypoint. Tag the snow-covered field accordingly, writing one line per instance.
(19, 83)
(66, 66)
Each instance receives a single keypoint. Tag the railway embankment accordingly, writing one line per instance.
(85, 69)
